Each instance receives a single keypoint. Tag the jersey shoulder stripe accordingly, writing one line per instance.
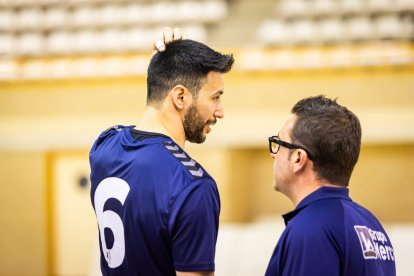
(115, 127)
(192, 166)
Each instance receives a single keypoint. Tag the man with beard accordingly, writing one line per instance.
(158, 209)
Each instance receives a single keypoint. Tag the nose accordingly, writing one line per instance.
(219, 112)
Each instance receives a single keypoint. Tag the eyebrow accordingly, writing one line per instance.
(220, 92)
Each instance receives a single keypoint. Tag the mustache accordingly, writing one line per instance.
(212, 121)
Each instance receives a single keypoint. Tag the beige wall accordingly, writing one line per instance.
(23, 235)
(39, 117)
(384, 181)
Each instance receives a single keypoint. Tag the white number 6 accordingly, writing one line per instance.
(111, 187)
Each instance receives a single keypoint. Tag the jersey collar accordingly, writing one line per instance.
(321, 193)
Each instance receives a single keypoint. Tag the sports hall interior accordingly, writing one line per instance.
(70, 69)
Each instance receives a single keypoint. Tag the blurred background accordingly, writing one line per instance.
(69, 69)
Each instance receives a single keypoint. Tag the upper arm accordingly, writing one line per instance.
(195, 226)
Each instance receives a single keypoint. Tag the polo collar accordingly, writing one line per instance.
(324, 192)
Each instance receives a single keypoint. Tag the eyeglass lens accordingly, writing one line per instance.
(275, 147)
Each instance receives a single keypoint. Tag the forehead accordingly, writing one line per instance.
(214, 82)
(287, 127)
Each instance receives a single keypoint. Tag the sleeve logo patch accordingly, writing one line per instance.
(374, 244)
(189, 163)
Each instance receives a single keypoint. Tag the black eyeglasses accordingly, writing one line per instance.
(275, 143)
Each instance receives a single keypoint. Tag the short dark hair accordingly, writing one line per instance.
(331, 133)
(184, 62)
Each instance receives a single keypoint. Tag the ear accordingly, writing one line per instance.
(181, 96)
(299, 160)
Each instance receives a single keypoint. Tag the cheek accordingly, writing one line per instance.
(275, 166)
(206, 111)
(207, 104)
(279, 165)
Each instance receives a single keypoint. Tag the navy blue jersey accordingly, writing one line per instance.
(329, 234)
(157, 209)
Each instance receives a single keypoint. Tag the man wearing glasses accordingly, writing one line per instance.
(327, 233)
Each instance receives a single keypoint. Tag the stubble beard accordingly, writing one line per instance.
(194, 125)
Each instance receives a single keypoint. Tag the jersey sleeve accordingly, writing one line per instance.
(194, 226)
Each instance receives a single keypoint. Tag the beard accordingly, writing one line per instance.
(194, 125)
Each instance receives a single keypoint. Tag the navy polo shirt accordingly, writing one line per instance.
(329, 234)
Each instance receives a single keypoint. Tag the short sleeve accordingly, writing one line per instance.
(194, 227)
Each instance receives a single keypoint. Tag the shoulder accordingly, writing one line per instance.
(181, 159)
(199, 186)
(319, 218)
(105, 136)
(188, 176)
(324, 209)
(318, 230)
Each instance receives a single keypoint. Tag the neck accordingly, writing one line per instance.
(305, 187)
(164, 122)
(298, 193)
